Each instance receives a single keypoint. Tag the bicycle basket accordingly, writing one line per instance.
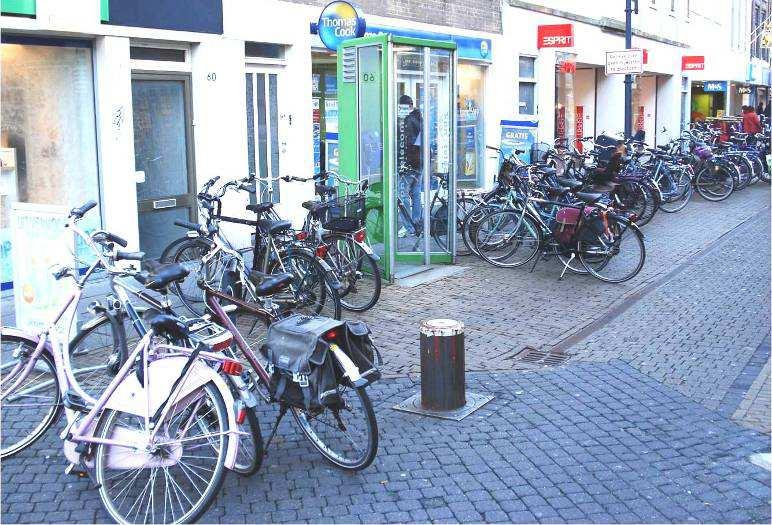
(345, 213)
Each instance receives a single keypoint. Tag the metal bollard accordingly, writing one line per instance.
(443, 385)
(443, 375)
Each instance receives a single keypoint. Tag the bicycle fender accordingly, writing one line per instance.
(130, 396)
(34, 339)
(369, 251)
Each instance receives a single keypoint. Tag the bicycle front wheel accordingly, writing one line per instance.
(347, 436)
(679, 192)
(29, 409)
(714, 184)
(508, 238)
(357, 272)
(614, 255)
(171, 482)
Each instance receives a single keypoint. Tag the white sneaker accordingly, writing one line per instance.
(402, 233)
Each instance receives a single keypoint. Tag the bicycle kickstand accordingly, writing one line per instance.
(536, 261)
(282, 411)
(565, 267)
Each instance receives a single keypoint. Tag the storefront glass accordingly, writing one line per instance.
(565, 125)
(470, 140)
(48, 137)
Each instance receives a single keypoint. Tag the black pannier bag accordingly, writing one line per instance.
(304, 373)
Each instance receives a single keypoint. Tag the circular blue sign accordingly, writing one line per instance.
(338, 22)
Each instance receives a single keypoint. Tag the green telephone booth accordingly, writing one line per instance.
(397, 105)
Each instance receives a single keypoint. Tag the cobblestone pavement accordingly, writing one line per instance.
(637, 427)
(506, 310)
(584, 442)
(706, 330)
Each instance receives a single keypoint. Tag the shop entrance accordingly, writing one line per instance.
(397, 130)
(163, 151)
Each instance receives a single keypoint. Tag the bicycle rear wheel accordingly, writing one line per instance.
(347, 436)
(175, 482)
(508, 238)
(613, 256)
(34, 405)
(310, 292)
(189, 254)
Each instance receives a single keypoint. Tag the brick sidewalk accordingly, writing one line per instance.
(584, 442)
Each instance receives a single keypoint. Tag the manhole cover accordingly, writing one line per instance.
(533, 358)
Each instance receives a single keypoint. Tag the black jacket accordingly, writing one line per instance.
(410, 154)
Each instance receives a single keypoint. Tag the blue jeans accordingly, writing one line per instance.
(410, 193)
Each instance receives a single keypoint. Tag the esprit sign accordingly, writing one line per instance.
(557, 35)
(338, 22)
(692, 63)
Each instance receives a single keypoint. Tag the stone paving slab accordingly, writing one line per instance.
(706, 331)
(590, 442)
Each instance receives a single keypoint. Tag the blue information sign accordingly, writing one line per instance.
(714, 85)
(518, 135)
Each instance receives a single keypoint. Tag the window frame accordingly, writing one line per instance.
(529, 81)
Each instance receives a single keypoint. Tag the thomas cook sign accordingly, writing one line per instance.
(338, 22)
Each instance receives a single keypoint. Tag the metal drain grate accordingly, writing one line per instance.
(532, 358)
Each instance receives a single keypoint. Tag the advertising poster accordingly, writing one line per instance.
(519, 135)
(316, 80)
(331, 116)
(37, 295)
(333, 155)
(317, 135)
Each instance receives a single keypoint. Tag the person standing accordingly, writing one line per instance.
(409, 140)
(751, 122)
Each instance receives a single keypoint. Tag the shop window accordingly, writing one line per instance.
(48, 136)
(526, 85)
(471, 126)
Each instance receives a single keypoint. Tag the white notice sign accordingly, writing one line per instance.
(627, 62)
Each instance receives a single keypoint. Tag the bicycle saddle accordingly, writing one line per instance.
(162, 276)
(260, 208)
(552, 190)
(589, 198)
(569, 183)
(169, 326)
(546, 170)
(266, 284)
(274, 226)
(314, 206)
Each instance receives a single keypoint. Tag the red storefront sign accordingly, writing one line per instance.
(639, 121)
(645, 56)
(579, 127)
(557, 35)
(692, 63)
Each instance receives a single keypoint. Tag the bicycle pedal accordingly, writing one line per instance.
(74, 470)
(73, 401)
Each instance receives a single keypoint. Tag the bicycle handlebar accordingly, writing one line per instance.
(129, 256)
(82, 210)
(190, 226)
